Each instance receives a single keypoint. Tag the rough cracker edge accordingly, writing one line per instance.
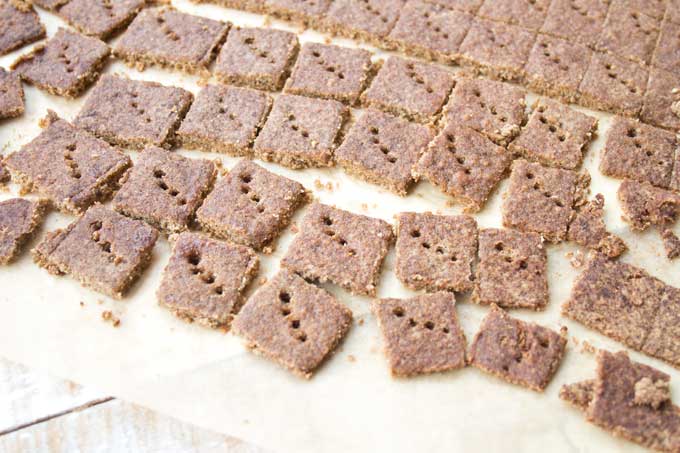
(252, 6)
(17, 112)
(591, 102)
(42, 206)
(336, 29)
(399, 112)
(294, 17)
(565, 393)
(359, 172)
(106, 34)
(494, 73)
(544, 87)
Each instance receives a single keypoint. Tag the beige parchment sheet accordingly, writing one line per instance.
(206, 377)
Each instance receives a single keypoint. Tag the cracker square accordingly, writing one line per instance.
(556, 67)
(205, 279)
(224, 119)
(629, 33)
(293, 323)
(435, 252)
(644, 205)
(580, 21)
(19, 24)
(366, 20)
(340, 247)
(663, 91)
(19, 219)
(521, 353)
(102, 249)
(251, 205)
(422, 335)
(464, 164)
(409, 88)
(256, 57)
(166, 37)
(100, 18)
(613, 84)
(469, 6)
(589, 230)
(69, 166)
(330, 72)
(133, 113)
(430, 31)
(495, 109)
(305, 12)
(526, 14)
(65, 65)
(556, 135)
(383, 149)
(639, 151)
(301, 132)
(165, 189)
(12, 100)
(496, 49)
(512, 270)
(667, 52)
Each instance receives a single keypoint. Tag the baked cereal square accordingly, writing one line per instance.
(330, 72)
(12, 101)
(65, 65)
(250, 205)
(526, 14)
(629, 33)
(435, 252)
(409, 88)
(661, 98)
(643, 205)
(512, 270)
(541, 199)
(340, 247)
(496, 49)
(579, 21)
(556, 67)
(256, 57)
(613, 84)
(100, 18)
(133, 113)
(301, 132)
(556, 135)
(205, 279)
(167, 37)
(422, 335)
(294, 323)
(102, 249)
(164, 189)
(464, 164)
(517, 352)
(431, 31)
(383, 149)
(640, 152)
(495, 109)
(69, 166)
(19, 219)
(589, 230)
(366, 20)
(667, 52)
(224, 119)
(19, 25)
(305, 12)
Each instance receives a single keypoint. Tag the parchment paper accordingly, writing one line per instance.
(207, 378)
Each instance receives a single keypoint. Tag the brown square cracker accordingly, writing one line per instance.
(69, 166)
(518, 352)
(409, 88)
(435, 252)
(512, 270)
(638, 151)
(422, 335)
(301, 132)
(556, 67)
(19, 219)
(19, 25)
(330, 72)
(644, 205)
(556, 135)
(629, 33)
(133, 113)
(613, 84)
(167, 37)
(469, 6)
(667, 52)
(663, 338)
(305, 12)
(65, 65)
(430, 31)
(224, 119)
(256, 57)
(165, 189)
(383, 149)
(526, 14)
(102, 249)
(294, 323)
(541, 199)
(464, 164)
(365, 20)
(340, 247)
(100, 18)
(495, 109)
(671, 244)
(205, 279)
(250, 205)
(662, 99)
(497, 50)
(589, 230)
(580, 21)
(12, 100)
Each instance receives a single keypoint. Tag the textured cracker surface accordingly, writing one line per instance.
(19, 219)
(644, 205)
(11, 95)
(18, 27)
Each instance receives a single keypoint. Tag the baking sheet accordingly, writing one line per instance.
(207, 378)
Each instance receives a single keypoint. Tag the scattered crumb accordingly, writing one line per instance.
(576, 341)
(360, 321)
(650, 393)
(107, 315)
(327, 40)
(450, 203)
(564, 330)
(263, 280)
(294, 228)
(589, 348)
(268, 250)
(576, 259)
(351, 358)
(320, 185)
(99, 301)
(82, 304)
(364, 207)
